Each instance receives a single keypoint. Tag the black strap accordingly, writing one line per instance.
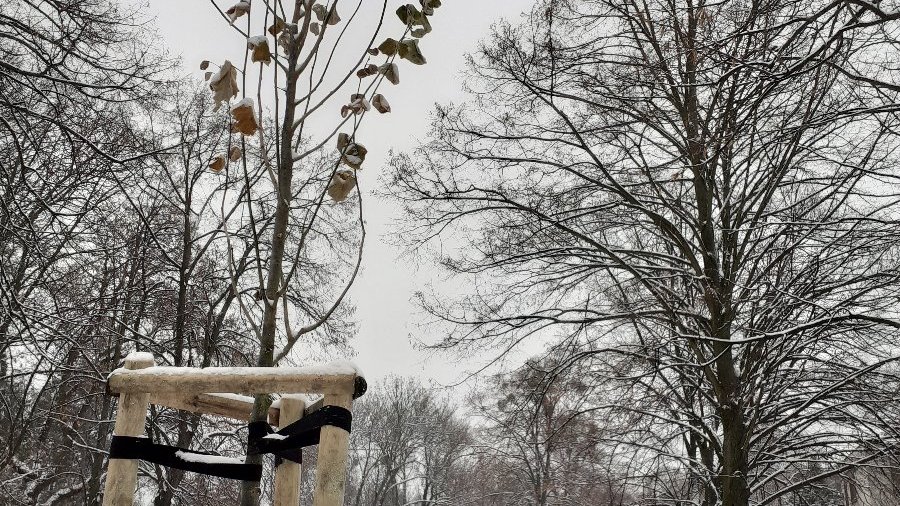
(289, 440)
(286, 443)
(128, 447)
(258, 431)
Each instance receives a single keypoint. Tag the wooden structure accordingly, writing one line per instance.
(141, 383)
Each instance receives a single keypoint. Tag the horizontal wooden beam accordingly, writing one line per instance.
(333, 379)
(238, 407)
(233, 406)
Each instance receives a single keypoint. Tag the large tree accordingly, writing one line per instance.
(536, 444)
(697, 198)
(408, 446)
(72, 77)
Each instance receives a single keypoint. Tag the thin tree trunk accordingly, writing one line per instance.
(250, 491)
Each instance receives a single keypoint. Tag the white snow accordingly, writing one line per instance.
(218, 75)
(257, 40)
(306, 399)
(234, 397)
(206, 459)
(335, 368)
(356, 369)
(275, 436)
(247, 101)
(141, 356)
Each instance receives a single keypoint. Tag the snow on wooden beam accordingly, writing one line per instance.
(335, 378)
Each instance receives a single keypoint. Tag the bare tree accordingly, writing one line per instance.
(191, 316)
(538, 439)
(698, 200)
(71, 77)
(308, 257)
(408, 444)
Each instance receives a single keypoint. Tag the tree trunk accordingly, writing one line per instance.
(250, 491)
(735, 491)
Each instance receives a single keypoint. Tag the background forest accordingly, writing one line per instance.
(661, 237)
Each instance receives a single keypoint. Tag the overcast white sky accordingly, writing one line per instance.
(382, 294)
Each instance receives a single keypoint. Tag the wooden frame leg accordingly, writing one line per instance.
(287, 474)
(331, 465)
(131, 414)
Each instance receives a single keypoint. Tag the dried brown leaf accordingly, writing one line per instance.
(244, 119)
(389, 46)
(276, 27)
(224, 84)
(342, 141)
(217, 164)
(381, 104)
(237, 10)
(260, 49)
(390, 72)
(353, 155)
(342, 183)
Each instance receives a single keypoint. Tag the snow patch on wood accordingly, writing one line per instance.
(140, 356)
(206, 459)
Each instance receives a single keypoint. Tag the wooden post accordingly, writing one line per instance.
(287, 474)
(331, 465)
(131, 414)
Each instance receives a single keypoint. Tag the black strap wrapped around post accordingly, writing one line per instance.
(289, 440)
(260, 430)
(286, 443)
(127, 447)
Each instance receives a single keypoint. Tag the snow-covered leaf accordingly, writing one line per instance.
(354, 155)
(234, 154)
(319, 11)
(224, 84)
(359, 103)
(412, 17)
(408, 14)
(260, 49)
(237, 10)
(286, 38)
(244, 119)
(424, 29)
